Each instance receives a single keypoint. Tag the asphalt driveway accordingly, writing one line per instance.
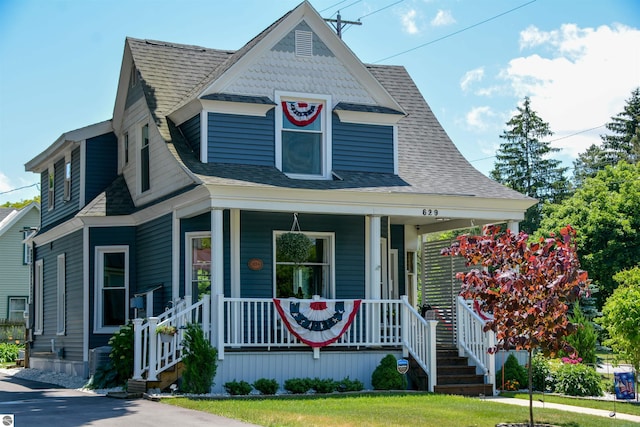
(37, 404)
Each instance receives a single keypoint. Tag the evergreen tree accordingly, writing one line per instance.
(622, 144)
(522, 163)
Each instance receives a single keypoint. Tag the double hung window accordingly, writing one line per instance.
(145, 182)
(303, 148)
(313, 276)
(112, 287)
(17, 307)
(199, 263)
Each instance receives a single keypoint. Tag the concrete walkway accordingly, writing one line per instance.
(589, 411)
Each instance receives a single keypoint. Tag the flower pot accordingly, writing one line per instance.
(166, 338)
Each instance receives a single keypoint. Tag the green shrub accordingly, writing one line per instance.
(9, 352)
(386, 375)
(578, 380)
(542, 377)
(298, 385)
(513, 371)
(266, 386)
(323, 386)
(200, 361)
(236, 388)
(349, 385)
(105, 377)
(122, 353)
(584, 339)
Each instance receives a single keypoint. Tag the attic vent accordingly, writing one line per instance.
(304, 43)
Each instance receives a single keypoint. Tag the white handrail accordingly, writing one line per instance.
(151, 354)
(474, 342)
(419, 338)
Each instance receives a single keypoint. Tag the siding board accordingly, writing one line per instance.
(153, 250)
(233, 138)
(191, 131)
(101, 164)
(359, 147)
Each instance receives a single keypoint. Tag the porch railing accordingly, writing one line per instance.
(419, 339)
(474, 343)
(151, 354)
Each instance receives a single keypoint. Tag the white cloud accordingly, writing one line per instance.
(577, 79)
(477, 118)
(409, 22)
(442, 18)
(5, 183)
(471, 77)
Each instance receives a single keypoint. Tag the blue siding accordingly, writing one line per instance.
(101, 164)
(191, 131)
(203, 223)
(365, 148)
(71, 246)
(109, 236)
(397, 242)
(62, 210)
(153, 252)
(241, 139)
(257, 242)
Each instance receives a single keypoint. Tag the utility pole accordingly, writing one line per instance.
(339, 24)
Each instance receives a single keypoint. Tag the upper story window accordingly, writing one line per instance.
(52, 183)
(135, 77)
(144, 160)
(126, 148)
(27, 252)
(67, 181)
(303, 141)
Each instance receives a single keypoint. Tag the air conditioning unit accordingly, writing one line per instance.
(98, 356)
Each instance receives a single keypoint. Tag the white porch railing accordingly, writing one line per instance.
(474, 343)
(419, 339)
(151, 355)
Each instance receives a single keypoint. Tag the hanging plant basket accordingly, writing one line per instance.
(294, 246)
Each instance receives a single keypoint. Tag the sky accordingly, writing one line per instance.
(473, 60)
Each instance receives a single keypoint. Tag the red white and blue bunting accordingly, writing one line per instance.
(317, 323)
(301, 113)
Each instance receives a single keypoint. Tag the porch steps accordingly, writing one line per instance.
(165, 379)
(455, 376)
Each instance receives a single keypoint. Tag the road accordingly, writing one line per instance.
(36, 404)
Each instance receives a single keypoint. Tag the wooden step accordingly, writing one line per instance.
(168, 377)
(465, 389)
(460, 379)
(456, 370)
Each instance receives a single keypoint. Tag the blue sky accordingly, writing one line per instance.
(473, 60)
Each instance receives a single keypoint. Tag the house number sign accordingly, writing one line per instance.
(430, 212)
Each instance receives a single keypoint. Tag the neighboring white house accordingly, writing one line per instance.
(15, 259)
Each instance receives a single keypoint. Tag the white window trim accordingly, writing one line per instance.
(98, 328)
(9, 311)
(38, 309)
(61, 294)
(67, 177)
(327, 139)
(140, 146)
(332, 257)
(188, 237)
(51, 190)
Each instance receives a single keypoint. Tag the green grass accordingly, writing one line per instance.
(621, 406)
(423, 410)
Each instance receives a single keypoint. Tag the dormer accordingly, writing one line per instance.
(74, 169)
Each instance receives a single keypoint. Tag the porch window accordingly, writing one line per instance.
(199, 263)
(303, 146)
(314, 276)
(112, 288)
(17, 307)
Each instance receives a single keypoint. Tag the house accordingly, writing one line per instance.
(16, 225)
(173, 210)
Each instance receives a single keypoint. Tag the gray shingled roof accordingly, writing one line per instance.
(114, 200)
(4, 212)
(429, 163)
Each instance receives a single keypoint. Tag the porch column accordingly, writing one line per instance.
(514, 226)
(375, 267)
(217, 270)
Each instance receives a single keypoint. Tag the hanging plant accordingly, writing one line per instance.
(294, 246)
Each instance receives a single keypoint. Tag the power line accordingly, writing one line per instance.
(333, 5)
(19, 188)
(456, 32)
(380, 10)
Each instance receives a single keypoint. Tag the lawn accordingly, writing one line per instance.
(621, 407)
(397, 410)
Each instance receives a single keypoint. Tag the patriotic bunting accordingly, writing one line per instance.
(317, 323)
(301, 113)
